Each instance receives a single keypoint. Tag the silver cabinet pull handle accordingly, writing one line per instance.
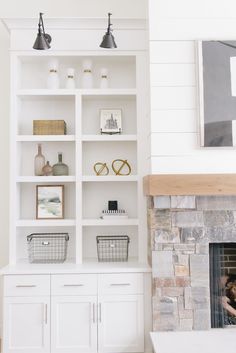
(46, 314)
(26, 285)
(100, 312)
(94, 313)
(73, 285)
(120, 284)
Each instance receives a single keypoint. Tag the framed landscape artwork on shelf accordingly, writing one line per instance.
(50, 201)
(217, 92)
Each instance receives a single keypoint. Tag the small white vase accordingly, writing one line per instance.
(70, 81)
(87, 79)
(53, 77)
(104, 79)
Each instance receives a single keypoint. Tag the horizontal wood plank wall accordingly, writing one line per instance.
(193, 9)
(190, 184)
(174, 138)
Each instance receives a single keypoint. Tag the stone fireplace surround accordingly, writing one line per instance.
(181, 228)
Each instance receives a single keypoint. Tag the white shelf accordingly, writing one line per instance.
(45, 92)
(108, 138)
(108, 92)
(112, 178)
(132, 261)
(71, 138)
(46, 223)
(45, 138)
(112, 222)
(73, 92)
(46, 179)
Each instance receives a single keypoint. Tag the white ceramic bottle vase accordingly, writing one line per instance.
(104, 78)
(53, 77)
(39, 162)
(87, 79)
(70, 81)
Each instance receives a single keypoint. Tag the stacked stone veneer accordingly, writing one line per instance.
(181, 228)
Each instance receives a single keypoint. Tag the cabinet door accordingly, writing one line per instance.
(74, 327)
(120, 323)
(26, 325)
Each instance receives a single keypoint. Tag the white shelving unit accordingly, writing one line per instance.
(88, 295)
(86, 194)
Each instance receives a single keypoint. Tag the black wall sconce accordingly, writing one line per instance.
(108, 41)
(43, 39)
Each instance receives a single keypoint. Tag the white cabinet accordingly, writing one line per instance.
(120, 313)
(75, 313)
(115, 322)
(27, 286)
(121, 324)
(120, 283)
(74, 327)
(74, 305)
(26, 325)
(107, 322)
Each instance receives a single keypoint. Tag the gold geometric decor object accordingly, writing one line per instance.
(121, 167)
(101, 168)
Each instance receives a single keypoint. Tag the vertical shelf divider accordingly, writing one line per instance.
(78, 178)
(14, 190)
(142, 135)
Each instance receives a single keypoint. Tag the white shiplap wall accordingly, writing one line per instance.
(175, 142)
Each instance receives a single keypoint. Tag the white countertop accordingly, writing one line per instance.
(88, 267)
(211, 341)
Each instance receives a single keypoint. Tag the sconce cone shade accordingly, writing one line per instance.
(108, 41)
(41, 42)
(43, 39)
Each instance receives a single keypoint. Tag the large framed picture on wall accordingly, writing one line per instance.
(217, 92)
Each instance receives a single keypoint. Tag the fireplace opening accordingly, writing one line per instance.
(223, 284)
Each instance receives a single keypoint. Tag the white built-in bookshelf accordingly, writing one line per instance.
(86, 194)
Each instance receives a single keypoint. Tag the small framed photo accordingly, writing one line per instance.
(49, 201)
(110, 121)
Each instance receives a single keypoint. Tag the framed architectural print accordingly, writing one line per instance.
(50, 201)
(110, 121)
(217, 92)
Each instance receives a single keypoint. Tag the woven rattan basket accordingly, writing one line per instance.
(49, 127)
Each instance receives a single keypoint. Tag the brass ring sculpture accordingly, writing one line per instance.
(101, 168)
(119, 164)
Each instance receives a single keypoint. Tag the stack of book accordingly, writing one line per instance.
(114, 214)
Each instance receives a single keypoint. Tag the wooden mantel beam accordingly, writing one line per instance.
(190, 184)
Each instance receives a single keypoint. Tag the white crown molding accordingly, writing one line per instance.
(75, 23)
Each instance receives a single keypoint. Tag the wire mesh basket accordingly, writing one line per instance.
(112, 248)
(47, 247)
